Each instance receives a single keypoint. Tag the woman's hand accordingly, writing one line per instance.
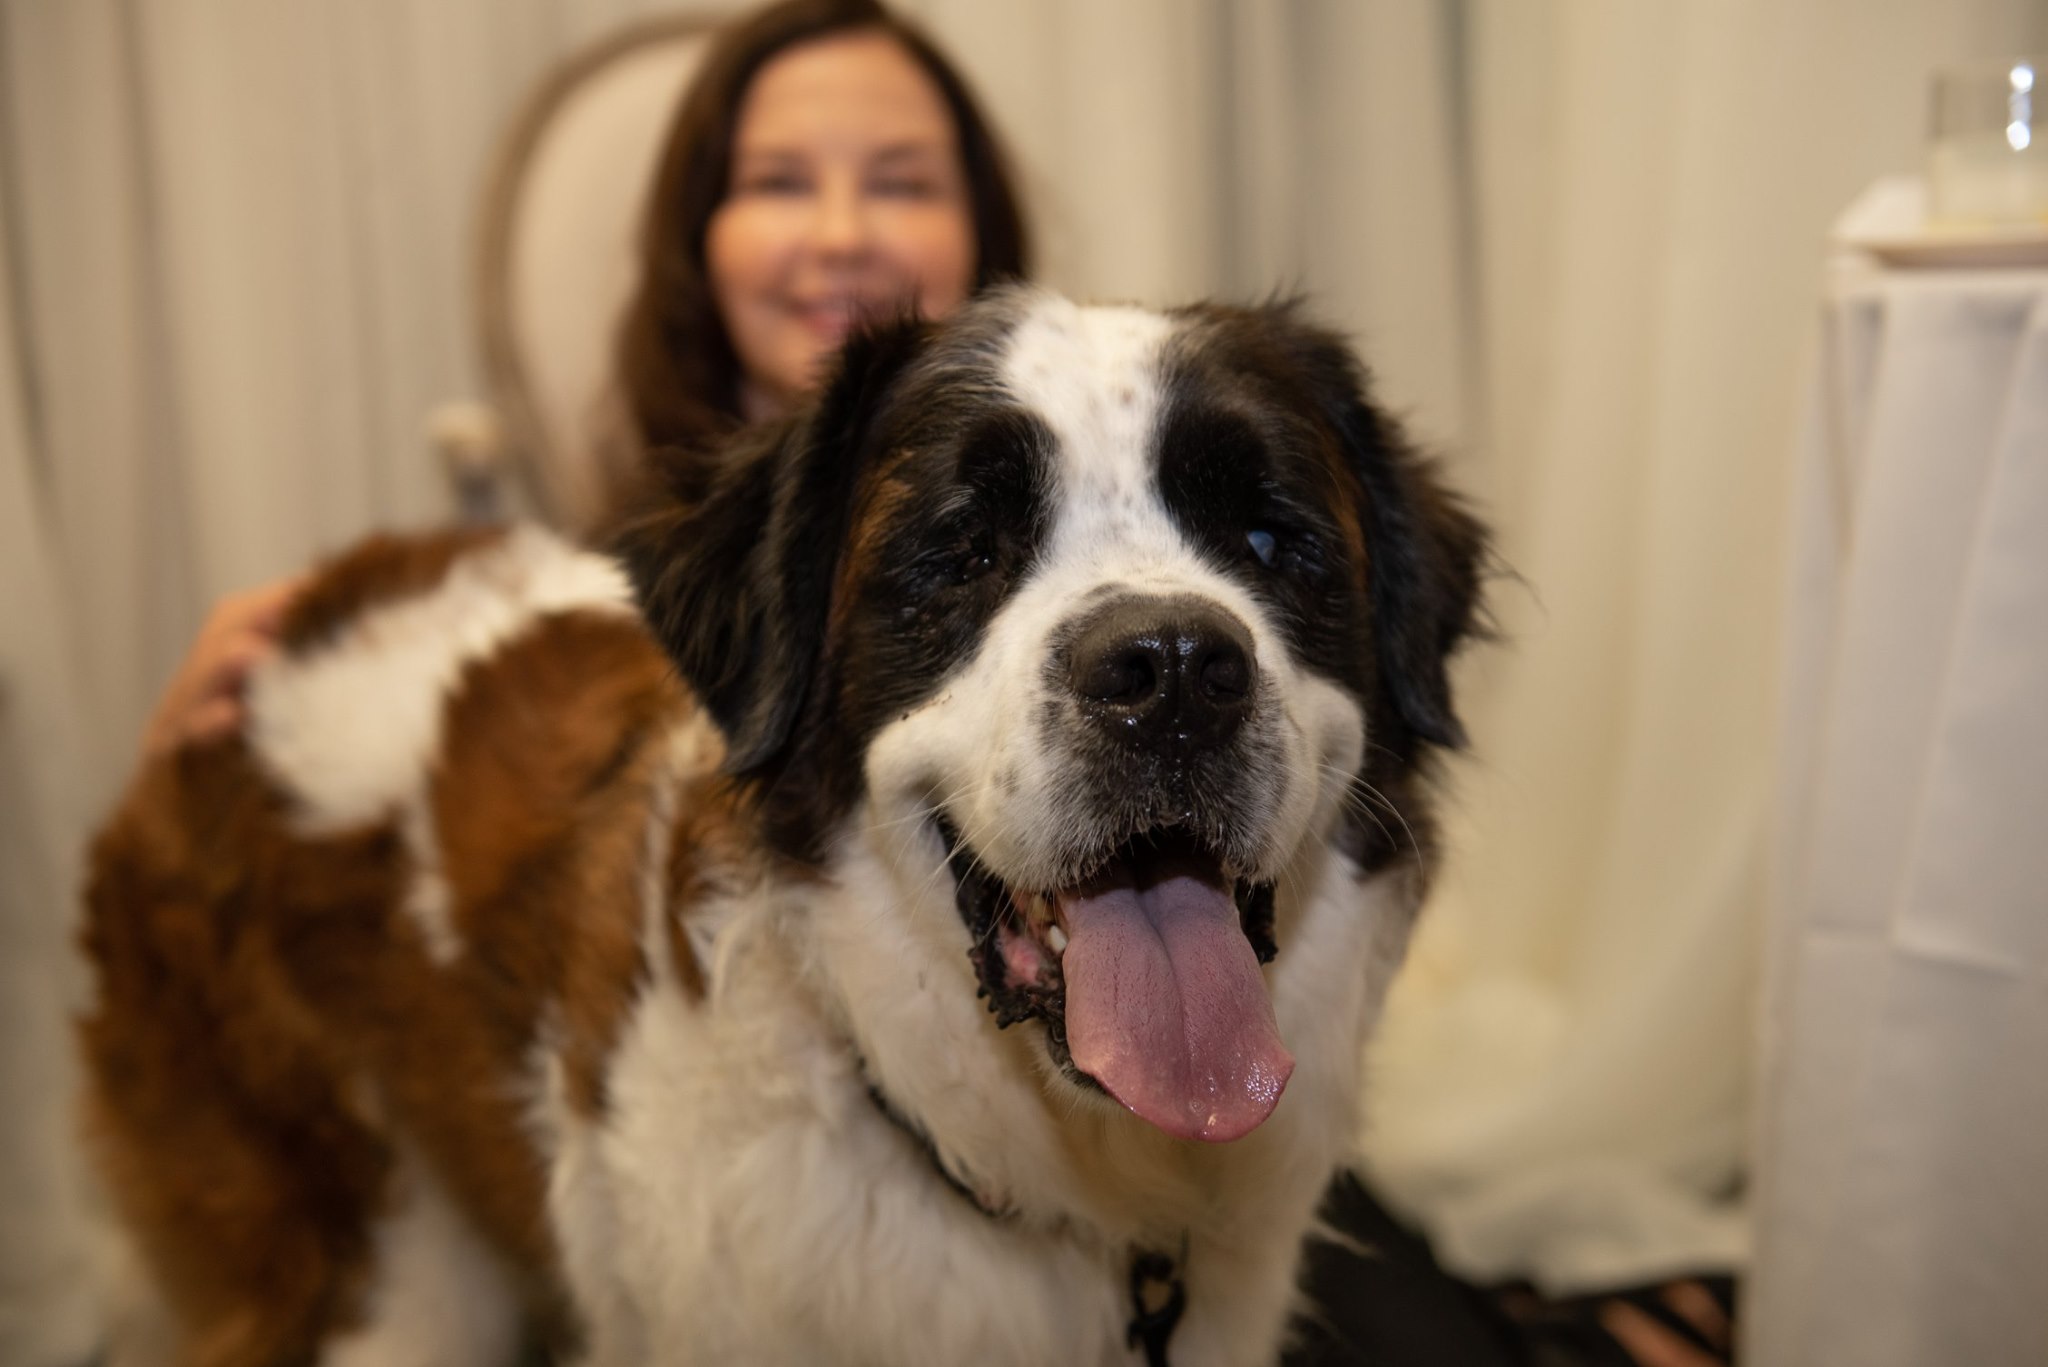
(203, 701)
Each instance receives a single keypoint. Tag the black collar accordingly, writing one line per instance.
(1158, 1294)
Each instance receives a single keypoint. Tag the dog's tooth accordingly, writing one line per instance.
(1057, 938)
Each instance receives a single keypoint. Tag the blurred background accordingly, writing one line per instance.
(1582, 245)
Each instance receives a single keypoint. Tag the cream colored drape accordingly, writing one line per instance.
(1902, 1215)
(47, 1311)
(1578, 239)
(1564, 1083)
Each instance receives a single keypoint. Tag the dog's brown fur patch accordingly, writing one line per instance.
(243, 1167)
(252, 979)
(381, 569)
(541, 803)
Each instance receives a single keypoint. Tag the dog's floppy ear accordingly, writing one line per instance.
(734, 567)
(1426, 551)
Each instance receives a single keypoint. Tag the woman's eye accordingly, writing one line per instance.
(773, 183)
(904, 187)
(1264, 545)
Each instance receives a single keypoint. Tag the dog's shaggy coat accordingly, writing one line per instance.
(864, 965)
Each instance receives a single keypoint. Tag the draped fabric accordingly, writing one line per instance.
(47, 1313)
(1904, 1114)
(1577, 238)
(1563, 1088)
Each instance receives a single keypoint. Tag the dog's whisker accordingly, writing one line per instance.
(1368, 801)
(1393, 811)
(921, 811)
(911, 824)
(1366, 810)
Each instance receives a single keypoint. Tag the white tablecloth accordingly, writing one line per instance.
(1902, 1205)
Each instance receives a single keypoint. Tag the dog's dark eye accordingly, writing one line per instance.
(958, 557)
(1286, 550)
(978, 560)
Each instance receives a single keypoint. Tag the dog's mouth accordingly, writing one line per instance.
(1146, 973)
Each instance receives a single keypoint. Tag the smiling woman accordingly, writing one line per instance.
(846, 201)
(828, 164)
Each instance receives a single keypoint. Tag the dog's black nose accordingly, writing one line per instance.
(1158, 671)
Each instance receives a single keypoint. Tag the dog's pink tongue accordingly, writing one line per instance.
(1167, 1010)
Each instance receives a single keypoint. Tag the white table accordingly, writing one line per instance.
(1902, 1205)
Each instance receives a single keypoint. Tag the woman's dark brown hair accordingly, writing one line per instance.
(676, 360)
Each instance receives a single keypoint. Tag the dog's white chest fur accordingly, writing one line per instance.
(747, 1200)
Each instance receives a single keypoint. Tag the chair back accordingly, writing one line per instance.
(558, 254)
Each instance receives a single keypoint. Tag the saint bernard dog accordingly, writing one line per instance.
(921, 903)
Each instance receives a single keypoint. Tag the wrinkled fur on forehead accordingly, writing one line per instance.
(739, 567)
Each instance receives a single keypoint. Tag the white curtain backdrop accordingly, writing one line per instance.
(1577, 238)
(46, 1311)
(1564, 1084)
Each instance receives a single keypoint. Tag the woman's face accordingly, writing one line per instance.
(846, 199)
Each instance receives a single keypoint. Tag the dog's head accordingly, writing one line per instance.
(1126, 612)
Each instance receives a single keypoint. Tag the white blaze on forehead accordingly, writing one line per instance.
(1095, 378)
(1092, 376)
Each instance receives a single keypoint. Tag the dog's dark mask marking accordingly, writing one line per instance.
(1274, 458)
(966, 513)
(819, 581)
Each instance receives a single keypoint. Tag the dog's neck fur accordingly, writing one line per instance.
(848, 1196)
(1084, 1172)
